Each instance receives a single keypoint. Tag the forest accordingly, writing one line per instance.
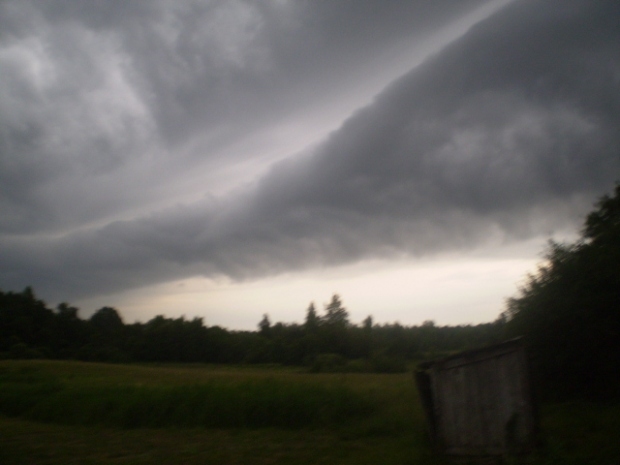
(324, 342)
(568, 313)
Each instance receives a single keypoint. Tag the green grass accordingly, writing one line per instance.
(248, 404)
(575, 433)
(25, 442)
(55, 412)
(137, 397)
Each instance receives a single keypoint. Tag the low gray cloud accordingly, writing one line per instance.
(508, 133)
(102, 100)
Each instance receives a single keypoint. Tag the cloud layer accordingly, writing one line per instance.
(109, 111)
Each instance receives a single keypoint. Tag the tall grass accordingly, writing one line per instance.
(38, 394)
(57, 412)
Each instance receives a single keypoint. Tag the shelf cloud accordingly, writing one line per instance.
(135, 136)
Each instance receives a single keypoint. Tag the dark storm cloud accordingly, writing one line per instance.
(96, 93)
(508, 133)
(524, 109)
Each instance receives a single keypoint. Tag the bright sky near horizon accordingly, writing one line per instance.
(227, 158)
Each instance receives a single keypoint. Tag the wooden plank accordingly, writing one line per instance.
(481, 402)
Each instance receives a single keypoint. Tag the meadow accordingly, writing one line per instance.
(63, 412)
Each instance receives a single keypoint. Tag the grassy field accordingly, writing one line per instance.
(70, 412)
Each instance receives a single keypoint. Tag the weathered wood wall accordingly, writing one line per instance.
(479, 402)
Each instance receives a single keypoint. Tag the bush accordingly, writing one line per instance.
(328, 363)
(387, 364)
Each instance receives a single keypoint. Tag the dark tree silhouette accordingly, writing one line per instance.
(28, 329)
(569, 310)
(264, 326)
(335, 313)
(107, 320)
(312, 319)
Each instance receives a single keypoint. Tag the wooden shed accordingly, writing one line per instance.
(479, 403)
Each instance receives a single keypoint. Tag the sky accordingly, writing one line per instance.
(226, 159)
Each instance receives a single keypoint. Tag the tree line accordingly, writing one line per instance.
(569, 310)
(323, 342)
